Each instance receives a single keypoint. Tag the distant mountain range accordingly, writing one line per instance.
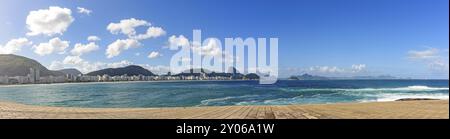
(313, 77)
(13, 65)
(308, 77)
(132, 70)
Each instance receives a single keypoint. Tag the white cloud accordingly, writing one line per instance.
(185, 60)
(358, 67)
(115, 48)
(93, 38)
(84, 11)
(51, 21)
(14, 45)
(53, 45)
(330, 71)
(326, 69)
(86, 66)
(175, 41)
(436, 59)
(56, 65)
(154, 54)
(119, 64)
(127, 26)
(210, 49)
(429, 53)
(81, 49)
(73, 60)
(152, 32)
(158, 69)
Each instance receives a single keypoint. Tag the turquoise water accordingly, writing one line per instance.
(221, 93)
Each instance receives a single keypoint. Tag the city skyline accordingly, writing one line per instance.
(370, 38)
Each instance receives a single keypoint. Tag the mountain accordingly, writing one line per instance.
(129, 70)
(70, 71)
(308, 77)
(13, 65)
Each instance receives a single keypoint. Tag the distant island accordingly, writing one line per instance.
(13, 65)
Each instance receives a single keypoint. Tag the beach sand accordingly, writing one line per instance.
(424, 109)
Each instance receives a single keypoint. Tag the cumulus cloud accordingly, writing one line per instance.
(73, 60)
(326, 69)
(175, 41)
(185, 59)
(436, 59)
(51, 21)
(82, 10)
(53, 45)
(93, 38)
(128, 27)
(331, 71)
(14, 45)
(115, 48)
(210, 49)
(87, 66)
(154, 54)
(56, 65)
(81, 49)
(430, 53)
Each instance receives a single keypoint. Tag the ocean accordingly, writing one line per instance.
(221, 93)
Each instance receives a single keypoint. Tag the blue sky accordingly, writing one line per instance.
(404, 38)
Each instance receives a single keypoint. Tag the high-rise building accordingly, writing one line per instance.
(34, 75)
(38, 75)
(3, 79)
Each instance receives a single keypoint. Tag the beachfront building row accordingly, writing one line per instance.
(34, 78)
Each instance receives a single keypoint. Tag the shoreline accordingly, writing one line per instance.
(414, 109)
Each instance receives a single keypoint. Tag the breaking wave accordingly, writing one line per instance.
(333, 95)
(227, 100)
